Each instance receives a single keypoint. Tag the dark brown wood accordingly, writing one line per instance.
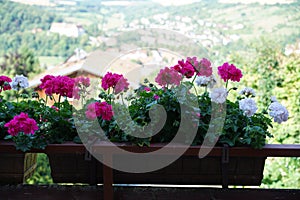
(269, 150)
(68, 147)
(145, 193)
(16, 168)
(108, 178)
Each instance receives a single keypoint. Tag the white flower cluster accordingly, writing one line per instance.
(248, 105)
(204, 81)
(19, 82)
(248, 92)
(278, 112)
(218, 95)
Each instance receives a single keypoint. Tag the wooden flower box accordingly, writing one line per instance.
(16, 168)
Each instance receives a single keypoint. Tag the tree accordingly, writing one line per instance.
(20, 62)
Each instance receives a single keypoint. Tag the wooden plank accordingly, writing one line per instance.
(269, 150)
(108, 192)
(145, 193)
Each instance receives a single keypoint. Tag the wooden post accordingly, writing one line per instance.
(108, 190)
(224, 166)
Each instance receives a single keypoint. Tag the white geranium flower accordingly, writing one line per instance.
(218, 95)
(278, 112)
(204, 81)
(247, 91)
(19, 82)
(273, 99)
(248, 105)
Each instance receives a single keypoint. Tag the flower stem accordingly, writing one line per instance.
(195, 90)
(194, 79)
(226, 84)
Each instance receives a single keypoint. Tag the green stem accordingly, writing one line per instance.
(59, 97)
(122, 99)
(17, 95)
(194, 79)
(195, 90)
(226, 84)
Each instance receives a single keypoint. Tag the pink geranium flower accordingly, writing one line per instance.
(202, 67)
(185, 68)
(4, 83)
(61, 85)
(230, 72)
(21, 123)
(156, 97)
(115, 81)
(168, 76)
(97, 109)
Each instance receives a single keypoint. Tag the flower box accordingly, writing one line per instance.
(187, 170)
(16, 168)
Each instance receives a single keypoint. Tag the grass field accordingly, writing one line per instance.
(50, 60)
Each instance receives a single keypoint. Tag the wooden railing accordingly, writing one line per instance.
(107, 150)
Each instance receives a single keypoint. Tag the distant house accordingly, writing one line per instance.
(69, 30)
(78, 64)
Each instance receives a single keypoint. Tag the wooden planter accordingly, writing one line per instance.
(71, 163)
(73, 168)
(16, 168)
(188, 169)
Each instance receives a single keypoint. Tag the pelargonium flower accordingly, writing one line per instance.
(21, 123)
(45, 79)
(4, 83)
(156, 97)
(248, 105)
(80, 85)
(230, 72)
(116, 81)
(19, 82)
(147, 89)
(218, 95)
(204, 81)
(273, 99)
(82, 81)
(97, 109)
(121, 85)
(185, 68)
(278, 112)
(61, 85)
(202, 67)
(247, 91)
(168, 76)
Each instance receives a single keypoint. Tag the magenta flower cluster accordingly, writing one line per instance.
(4, 83)
(81, 83)
(21, 123)
(61, 85)
(192, 66)
(115, 81)
(230, 72)
(168, 76)
(97, 109)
